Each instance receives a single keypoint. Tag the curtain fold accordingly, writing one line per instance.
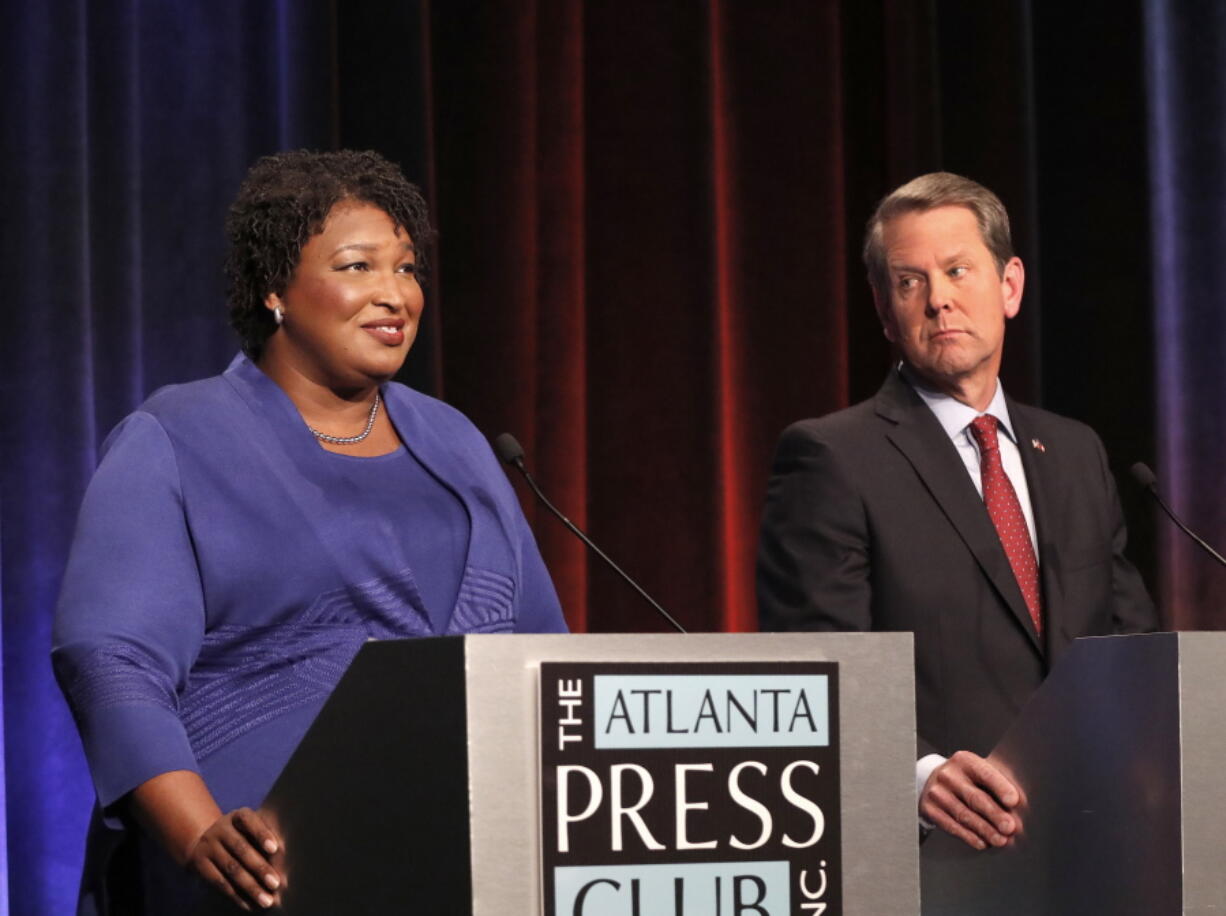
(779, 259)
(1185, 53)
(651, 210)
(4, 806)
(127, 127)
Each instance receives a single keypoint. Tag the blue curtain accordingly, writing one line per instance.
(1186, 70)
(127, 127)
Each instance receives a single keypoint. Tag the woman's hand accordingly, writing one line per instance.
(231, 852)
(234, 856)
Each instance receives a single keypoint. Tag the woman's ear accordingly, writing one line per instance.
(273, 303)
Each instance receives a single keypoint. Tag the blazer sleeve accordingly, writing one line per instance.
(130, 618)
(814, 551)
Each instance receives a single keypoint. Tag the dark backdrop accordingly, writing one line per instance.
(650, 217)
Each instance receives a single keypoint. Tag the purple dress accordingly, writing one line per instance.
(226, 569)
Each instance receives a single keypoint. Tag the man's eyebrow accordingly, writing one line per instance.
(959, 255)
(903, 267)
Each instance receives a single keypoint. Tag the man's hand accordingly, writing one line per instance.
(973, 800)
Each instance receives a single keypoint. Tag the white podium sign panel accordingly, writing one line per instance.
(690, 789)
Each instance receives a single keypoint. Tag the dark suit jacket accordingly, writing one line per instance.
(872, 523)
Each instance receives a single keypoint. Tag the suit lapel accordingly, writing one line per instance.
(916, 433)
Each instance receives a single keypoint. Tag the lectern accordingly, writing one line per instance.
(1122, 756)
(609, 775)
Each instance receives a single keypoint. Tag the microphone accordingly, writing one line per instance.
(511, 452)
(1142, 474)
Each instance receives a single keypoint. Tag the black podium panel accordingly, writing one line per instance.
(1120, 756)
(365, 802)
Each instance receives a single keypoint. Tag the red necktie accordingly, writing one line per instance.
(1006, 513)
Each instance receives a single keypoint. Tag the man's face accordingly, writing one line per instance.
(946, 305)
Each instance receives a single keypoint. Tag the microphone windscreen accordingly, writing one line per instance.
(1143, 475)
(508, 448)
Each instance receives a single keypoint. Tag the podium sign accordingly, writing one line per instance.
(771, 775)
(690, 788)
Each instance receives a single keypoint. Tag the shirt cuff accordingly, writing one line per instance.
(924, 768)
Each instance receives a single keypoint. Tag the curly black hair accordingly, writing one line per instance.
(282, 202)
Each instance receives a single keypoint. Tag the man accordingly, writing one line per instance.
(989, 529)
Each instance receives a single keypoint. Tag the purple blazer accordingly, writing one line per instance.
(221, 581)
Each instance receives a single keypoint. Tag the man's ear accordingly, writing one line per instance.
(1012, 282)
(884, 314)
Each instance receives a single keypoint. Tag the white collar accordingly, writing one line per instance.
(952, 414)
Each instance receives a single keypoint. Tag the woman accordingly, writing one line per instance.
(245, 534)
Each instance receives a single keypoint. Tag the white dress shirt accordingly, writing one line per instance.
(955, 418)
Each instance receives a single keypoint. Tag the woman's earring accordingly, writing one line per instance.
(278, 315)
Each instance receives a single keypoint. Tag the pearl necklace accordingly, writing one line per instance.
(350, 440)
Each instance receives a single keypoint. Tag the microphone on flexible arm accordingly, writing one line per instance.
(1142, 474)
(510, 451)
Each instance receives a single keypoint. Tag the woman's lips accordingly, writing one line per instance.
(389, 333)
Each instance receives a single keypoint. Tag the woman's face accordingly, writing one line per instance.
(353, 303)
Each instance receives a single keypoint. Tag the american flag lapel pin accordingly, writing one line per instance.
(1038, 446)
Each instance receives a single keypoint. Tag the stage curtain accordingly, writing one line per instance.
(126, 129)
(650, 217)
(1185, 54)
(650, 246)
(644, 260)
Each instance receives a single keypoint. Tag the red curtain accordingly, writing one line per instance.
(638, 273)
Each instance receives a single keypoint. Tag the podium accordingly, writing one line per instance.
(420, 787)
(1120, 755)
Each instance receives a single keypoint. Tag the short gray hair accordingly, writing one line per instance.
(927, 192)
